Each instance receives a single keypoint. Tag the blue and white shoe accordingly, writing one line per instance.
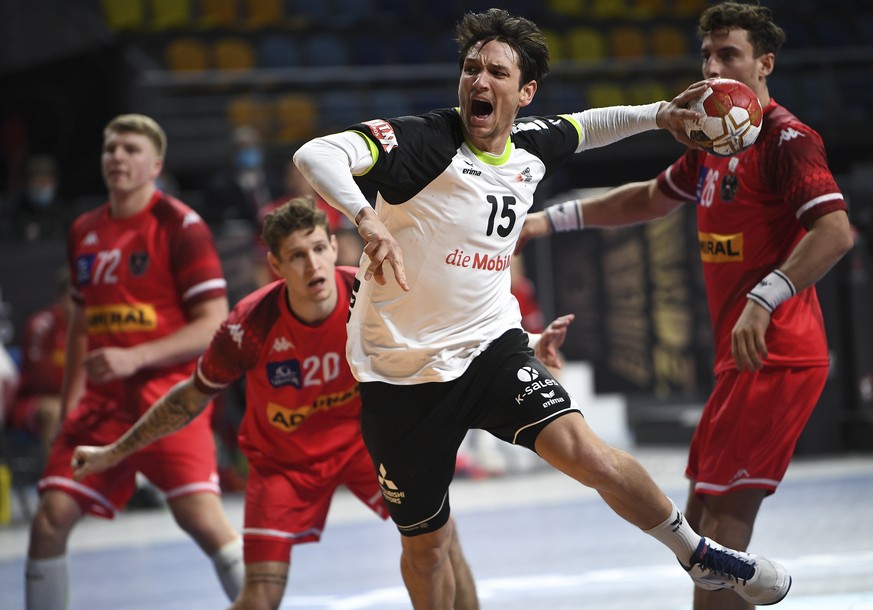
(756, 579)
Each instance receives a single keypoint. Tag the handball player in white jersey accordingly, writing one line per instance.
(435, 336)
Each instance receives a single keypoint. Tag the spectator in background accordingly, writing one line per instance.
(239, 191)
(149, 293)
(39, 213)
(37, 404)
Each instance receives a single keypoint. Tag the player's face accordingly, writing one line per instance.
(129, 162)
(730, 54)
(306, 263)
(489, 94)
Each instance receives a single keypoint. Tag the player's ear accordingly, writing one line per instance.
(766, 63)
(527, 93)
(274, 264)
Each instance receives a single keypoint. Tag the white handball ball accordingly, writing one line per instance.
(731, 118)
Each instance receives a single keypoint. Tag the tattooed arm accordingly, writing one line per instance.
(173, 411)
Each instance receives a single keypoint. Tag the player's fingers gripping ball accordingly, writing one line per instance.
(731, 117)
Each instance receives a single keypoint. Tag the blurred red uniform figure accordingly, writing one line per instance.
(37, 403)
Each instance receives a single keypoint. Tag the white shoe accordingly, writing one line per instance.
(756, 579)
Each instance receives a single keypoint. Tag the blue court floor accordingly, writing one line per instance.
(534, 541)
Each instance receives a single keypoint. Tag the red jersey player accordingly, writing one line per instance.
(149, 293)
(771, 222)
(300, 432)
(37, 404)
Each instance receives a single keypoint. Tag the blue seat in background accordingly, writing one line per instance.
(278, 51)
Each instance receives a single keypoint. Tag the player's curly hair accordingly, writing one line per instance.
(298, 214)
(765, 36)
(522, 35)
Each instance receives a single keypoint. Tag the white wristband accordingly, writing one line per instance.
(772, 291)
(565, 216)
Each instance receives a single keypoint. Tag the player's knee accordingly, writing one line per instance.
(259, 596)
(427, 552)
(51, 525)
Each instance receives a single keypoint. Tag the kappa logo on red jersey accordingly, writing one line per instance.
(384, 133)
(191, 218)
(788, 134)
(281, 344)
(236, 333)
(90, 239)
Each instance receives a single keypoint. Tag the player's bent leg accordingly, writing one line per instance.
(569, 444)
(263, 587)
(202, 517)
(427, 569)
(466, 597)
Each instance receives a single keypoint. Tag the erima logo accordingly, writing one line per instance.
(471, 171)
(788, 134)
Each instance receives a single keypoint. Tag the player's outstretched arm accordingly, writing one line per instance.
(173, 411)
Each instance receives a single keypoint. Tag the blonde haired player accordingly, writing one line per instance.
(149, 293)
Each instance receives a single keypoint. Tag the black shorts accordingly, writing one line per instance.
(413, 432)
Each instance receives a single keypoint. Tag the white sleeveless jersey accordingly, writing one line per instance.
(456, 213)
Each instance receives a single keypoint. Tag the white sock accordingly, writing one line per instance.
(229, 566)
(47, 583)
(676, 534)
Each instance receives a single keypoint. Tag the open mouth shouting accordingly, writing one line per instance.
(480, 111)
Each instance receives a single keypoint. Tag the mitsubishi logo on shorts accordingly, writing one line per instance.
(389, 490)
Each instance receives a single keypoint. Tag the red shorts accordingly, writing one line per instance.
(288, 505)
(750, 426)
(179, 464)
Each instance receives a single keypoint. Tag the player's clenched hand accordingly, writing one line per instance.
(535, 225)
(110, 363)
(381, 247)
(748, 344)
(552, 339)
(672, 115)
(88, 460)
